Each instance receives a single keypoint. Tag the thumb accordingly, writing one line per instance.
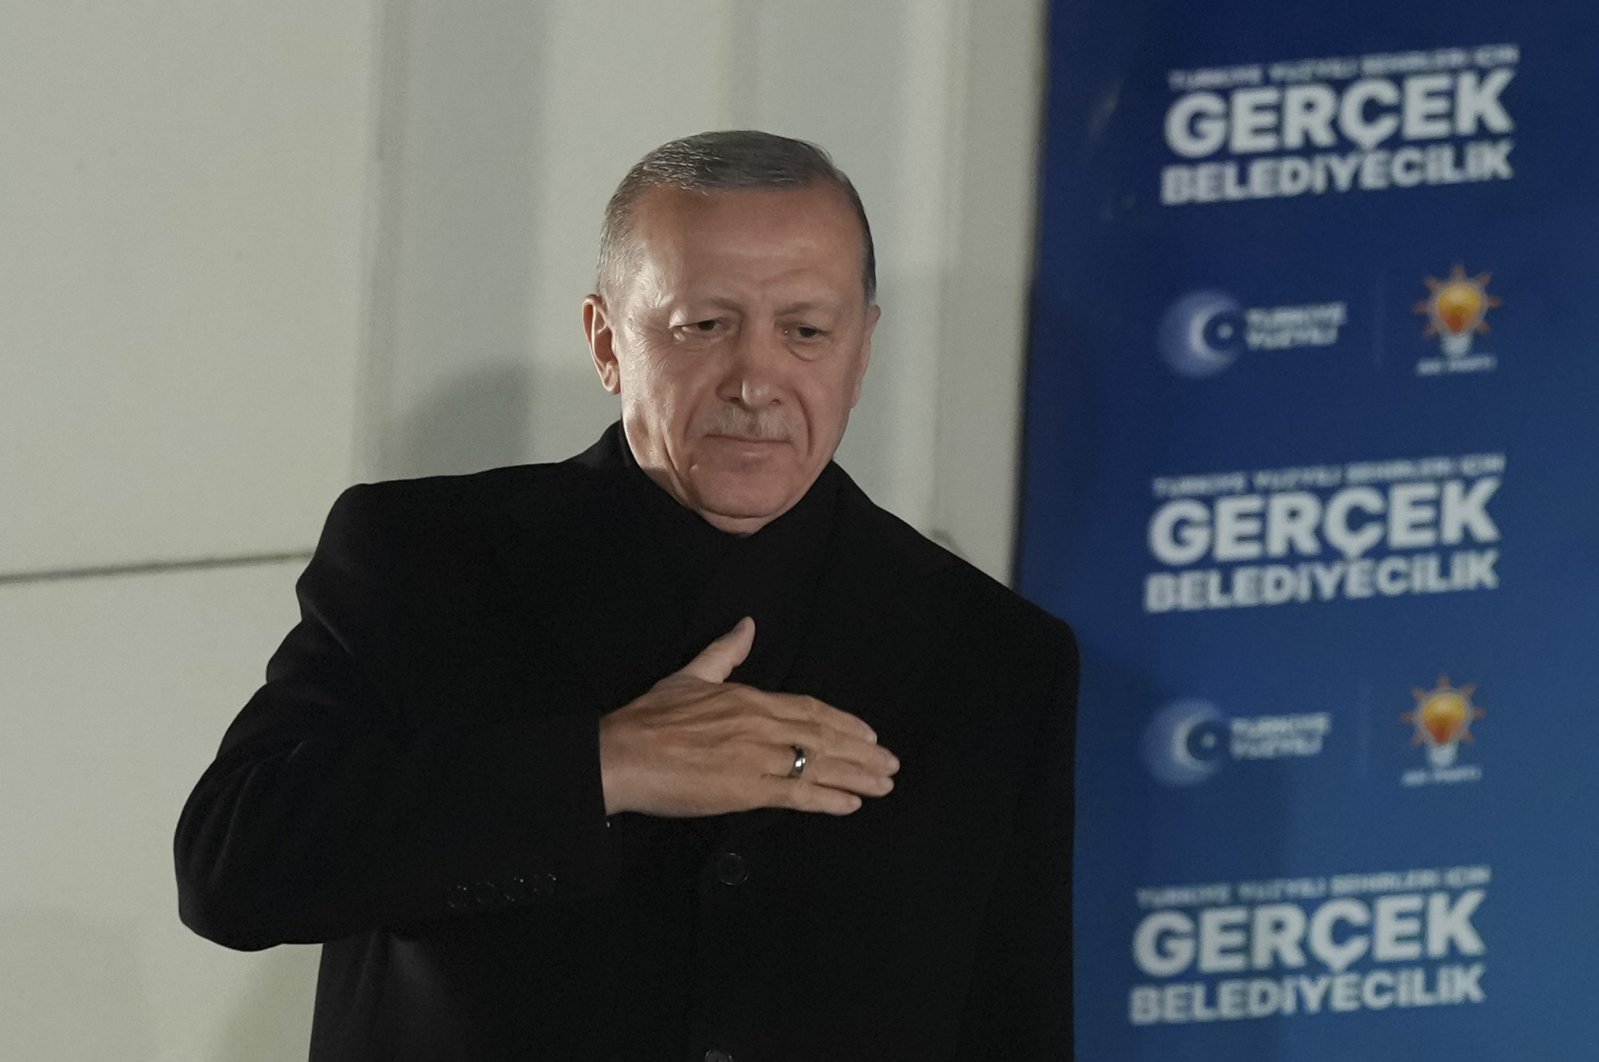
(717, 660)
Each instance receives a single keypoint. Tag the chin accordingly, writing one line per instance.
(733, 502)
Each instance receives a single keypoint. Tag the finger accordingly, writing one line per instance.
(803, 796)
(717, 660)
(800, 708)
(819, 740)
(870, 778)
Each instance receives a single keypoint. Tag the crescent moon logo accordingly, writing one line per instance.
(1185, 742)
(1201, 333)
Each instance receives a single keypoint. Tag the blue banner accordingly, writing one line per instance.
(1310, 450)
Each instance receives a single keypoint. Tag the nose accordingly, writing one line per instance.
(755, 368)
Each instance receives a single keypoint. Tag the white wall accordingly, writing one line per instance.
(182, 222)
(255, 252)
(182, 218)
(116, 692)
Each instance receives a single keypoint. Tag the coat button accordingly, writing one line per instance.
(731, 869)
(514, 890)
(485, 894)
(714, 1055)
(542, 885)
(460, 897)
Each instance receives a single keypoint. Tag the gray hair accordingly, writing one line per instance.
(739, 158)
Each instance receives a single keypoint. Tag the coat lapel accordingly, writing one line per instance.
(877, 622)
(876, 627)
(580, 579)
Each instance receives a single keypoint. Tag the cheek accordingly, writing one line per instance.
(667, 391)
(828, 403)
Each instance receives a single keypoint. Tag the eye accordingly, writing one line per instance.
(806, 332)
(710, 327)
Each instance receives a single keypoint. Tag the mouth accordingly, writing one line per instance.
(747, 449)
(741, 439)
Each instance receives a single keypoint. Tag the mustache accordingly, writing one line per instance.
(768, 427)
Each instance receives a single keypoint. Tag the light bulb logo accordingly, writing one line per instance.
(1442, 720)
(1456, 309)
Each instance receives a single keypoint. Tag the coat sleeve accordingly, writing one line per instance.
(1020, 1006)
(334, 805)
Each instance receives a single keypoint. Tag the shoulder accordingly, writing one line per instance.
(474, 503)
(421, 540)
(474, 488)
(970, 599)
(1009, 626)
(513, 495)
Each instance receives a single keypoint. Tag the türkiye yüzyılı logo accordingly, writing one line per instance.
(1231, 951)
(1186, 742)
(1441, 722)
(1337, 124)
(1456, 308)
(1304, 534)
(1203, 332)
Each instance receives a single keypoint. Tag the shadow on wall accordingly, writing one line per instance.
(451, 328)
(570, 408)
(477, 419)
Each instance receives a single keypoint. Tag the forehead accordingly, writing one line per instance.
(748, 235)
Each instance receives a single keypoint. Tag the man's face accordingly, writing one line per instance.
(738, 344)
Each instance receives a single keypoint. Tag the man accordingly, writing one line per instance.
(592, 760)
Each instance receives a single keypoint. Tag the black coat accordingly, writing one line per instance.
(417, 786)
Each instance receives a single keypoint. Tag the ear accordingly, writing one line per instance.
(601, 334)
(873, 312)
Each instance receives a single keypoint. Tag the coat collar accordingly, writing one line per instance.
(576, 572)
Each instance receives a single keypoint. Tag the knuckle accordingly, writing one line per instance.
(768, 729)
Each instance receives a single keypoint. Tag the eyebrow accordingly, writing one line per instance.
(806, 306)
(797, 306)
